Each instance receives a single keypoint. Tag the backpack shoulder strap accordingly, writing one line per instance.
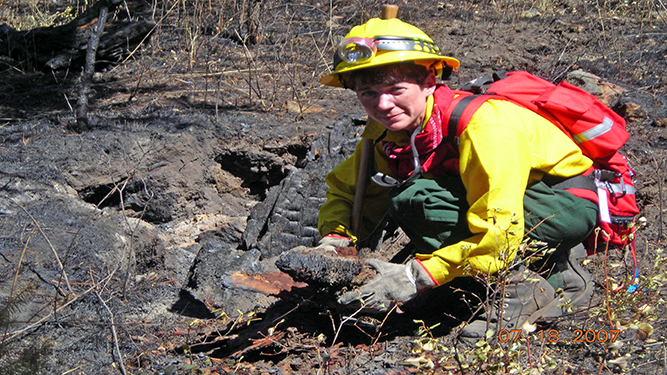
(468, 100)
(460, 112)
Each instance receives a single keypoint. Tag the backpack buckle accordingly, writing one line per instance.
(605, 177)
(613, 193)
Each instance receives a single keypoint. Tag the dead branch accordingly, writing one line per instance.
(88, 71)
(65, 46)
(119, 356)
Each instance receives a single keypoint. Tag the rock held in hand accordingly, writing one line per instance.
(319, 267)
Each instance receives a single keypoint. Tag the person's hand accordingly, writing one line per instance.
(331, 241)
(395, 283)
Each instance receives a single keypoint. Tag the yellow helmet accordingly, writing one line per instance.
(380, 42)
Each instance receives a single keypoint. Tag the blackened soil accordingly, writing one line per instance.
(206, 157)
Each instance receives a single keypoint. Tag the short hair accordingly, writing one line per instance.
(386, 75)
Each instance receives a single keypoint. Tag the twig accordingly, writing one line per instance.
(250, 61)
(457, 357)
(530, 360)
(382, 324)
(148, 35)
(606, 352)
(641, 311)
(663, 359)
(72, 370)
(35, 324)
(347, 319)
(606, 278)
(660, 201)
(16, 275)
(119, 357)
(18, 266)
(664, 8)
(56, 310)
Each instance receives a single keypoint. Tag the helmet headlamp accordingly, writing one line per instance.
(358, 50)
(386, 41)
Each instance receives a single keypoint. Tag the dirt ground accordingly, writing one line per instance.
(121, 246)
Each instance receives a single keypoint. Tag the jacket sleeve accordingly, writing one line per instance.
(335, 215)
(500, 157)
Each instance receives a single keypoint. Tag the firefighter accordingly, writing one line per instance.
(466, 204)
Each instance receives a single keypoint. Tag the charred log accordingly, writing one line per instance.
(64, 46)
(321, 267)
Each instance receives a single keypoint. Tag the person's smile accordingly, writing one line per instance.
(397, 106)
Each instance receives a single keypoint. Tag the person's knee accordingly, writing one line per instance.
(587, 221)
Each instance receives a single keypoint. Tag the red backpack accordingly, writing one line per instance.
(596, 128)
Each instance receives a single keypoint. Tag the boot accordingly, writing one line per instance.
(568, 278)
(526, 297)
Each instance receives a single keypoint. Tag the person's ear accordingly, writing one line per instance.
(429, 84)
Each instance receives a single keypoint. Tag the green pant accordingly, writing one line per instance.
(433, 214)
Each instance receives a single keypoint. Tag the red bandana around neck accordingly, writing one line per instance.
(436, 157)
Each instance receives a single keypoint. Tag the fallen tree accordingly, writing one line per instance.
(64, 46)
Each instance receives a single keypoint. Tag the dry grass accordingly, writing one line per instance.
(267, 55)
(29, 14)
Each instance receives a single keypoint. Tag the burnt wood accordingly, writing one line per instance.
(64, 46)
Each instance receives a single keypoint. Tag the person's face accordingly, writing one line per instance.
(397, 106)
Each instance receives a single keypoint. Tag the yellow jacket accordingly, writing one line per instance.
(504, 149)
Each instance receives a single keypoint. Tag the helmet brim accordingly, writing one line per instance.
(393, 57)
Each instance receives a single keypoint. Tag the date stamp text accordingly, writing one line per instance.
(553, 336)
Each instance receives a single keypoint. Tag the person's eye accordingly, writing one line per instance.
(367, 94)
(397, 89)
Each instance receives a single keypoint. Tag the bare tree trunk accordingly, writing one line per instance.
(88, 72)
